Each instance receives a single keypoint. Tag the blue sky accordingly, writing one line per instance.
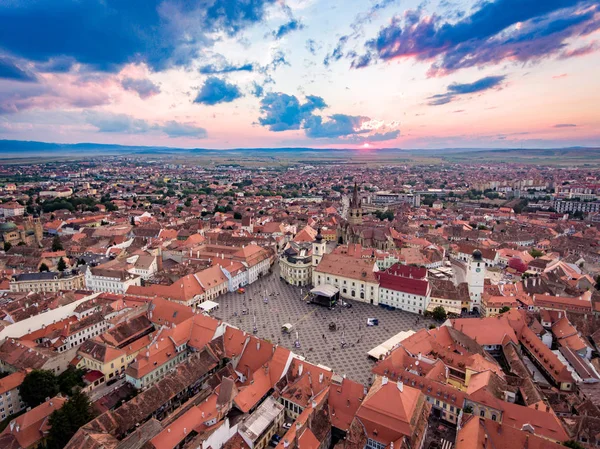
(270, 73)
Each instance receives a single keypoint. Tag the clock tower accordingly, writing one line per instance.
(475, 279)
(318, 249)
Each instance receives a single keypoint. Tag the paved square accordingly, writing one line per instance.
(317, 343)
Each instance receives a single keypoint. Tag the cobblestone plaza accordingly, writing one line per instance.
(317, 342)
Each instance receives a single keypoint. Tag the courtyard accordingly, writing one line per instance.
(318, 344)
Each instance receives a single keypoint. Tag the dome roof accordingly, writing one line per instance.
(477, 255)
(319, 236)
(7, 227)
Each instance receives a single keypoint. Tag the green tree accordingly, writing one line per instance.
(56, 244)
(573, 444)
(62, 265)
(69, 379)
(535, 253)
(110, 206)
(237, 216)
(76, 412)
(44, 267)
(37, 386)
(439, 313)
(504, 309)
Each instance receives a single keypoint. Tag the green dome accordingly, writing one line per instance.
(7, 227)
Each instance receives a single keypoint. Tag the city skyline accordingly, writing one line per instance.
(267, 73)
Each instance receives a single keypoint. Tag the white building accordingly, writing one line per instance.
(112, 281)
(404, 287)
(353, 277)
(11, 209)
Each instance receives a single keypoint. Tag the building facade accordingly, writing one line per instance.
(47, 281)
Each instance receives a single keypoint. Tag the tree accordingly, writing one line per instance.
(7, 246)
(62, 265)
(37, 386)
(504, 309)
(573, 444)
(468, 409)
(535, 253)
(69, 379)
(76, 412)
(44, 267)
(56, 244)
(439, 313)
(237, 216)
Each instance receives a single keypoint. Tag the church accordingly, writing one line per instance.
(369, 236)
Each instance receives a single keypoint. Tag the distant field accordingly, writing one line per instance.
(559, 157)
(19, 152)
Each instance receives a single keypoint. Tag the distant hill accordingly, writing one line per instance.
(19, 149)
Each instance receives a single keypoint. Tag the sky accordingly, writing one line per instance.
(302, 73)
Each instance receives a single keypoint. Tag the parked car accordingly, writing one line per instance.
(372, 322)
(241, 290)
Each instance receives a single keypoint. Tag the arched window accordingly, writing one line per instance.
(482, 413)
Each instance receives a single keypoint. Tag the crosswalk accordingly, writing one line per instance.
(446, 444)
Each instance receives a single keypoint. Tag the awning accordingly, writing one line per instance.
(325, 290)
(208, 305)
(389, 344)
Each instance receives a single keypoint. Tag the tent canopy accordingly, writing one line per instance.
(328, 291)
(208, 305)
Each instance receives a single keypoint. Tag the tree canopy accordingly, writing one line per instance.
(439, 313)
(37, 386)
(56, 244)
(76, 412)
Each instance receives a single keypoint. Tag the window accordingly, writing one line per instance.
(493, 417)
(482, 413)
(372, 444)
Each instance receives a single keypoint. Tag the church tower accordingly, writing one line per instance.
(318, 249)
(475, 279)
(355, 216)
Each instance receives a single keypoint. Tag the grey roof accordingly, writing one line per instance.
(44, 276)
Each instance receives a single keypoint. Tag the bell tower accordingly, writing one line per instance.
(318, 249)
(355, 216)
(476, 278)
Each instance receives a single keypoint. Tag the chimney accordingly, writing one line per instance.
(314, 404)
(384, 380)
(400, 386)
(300, 368)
